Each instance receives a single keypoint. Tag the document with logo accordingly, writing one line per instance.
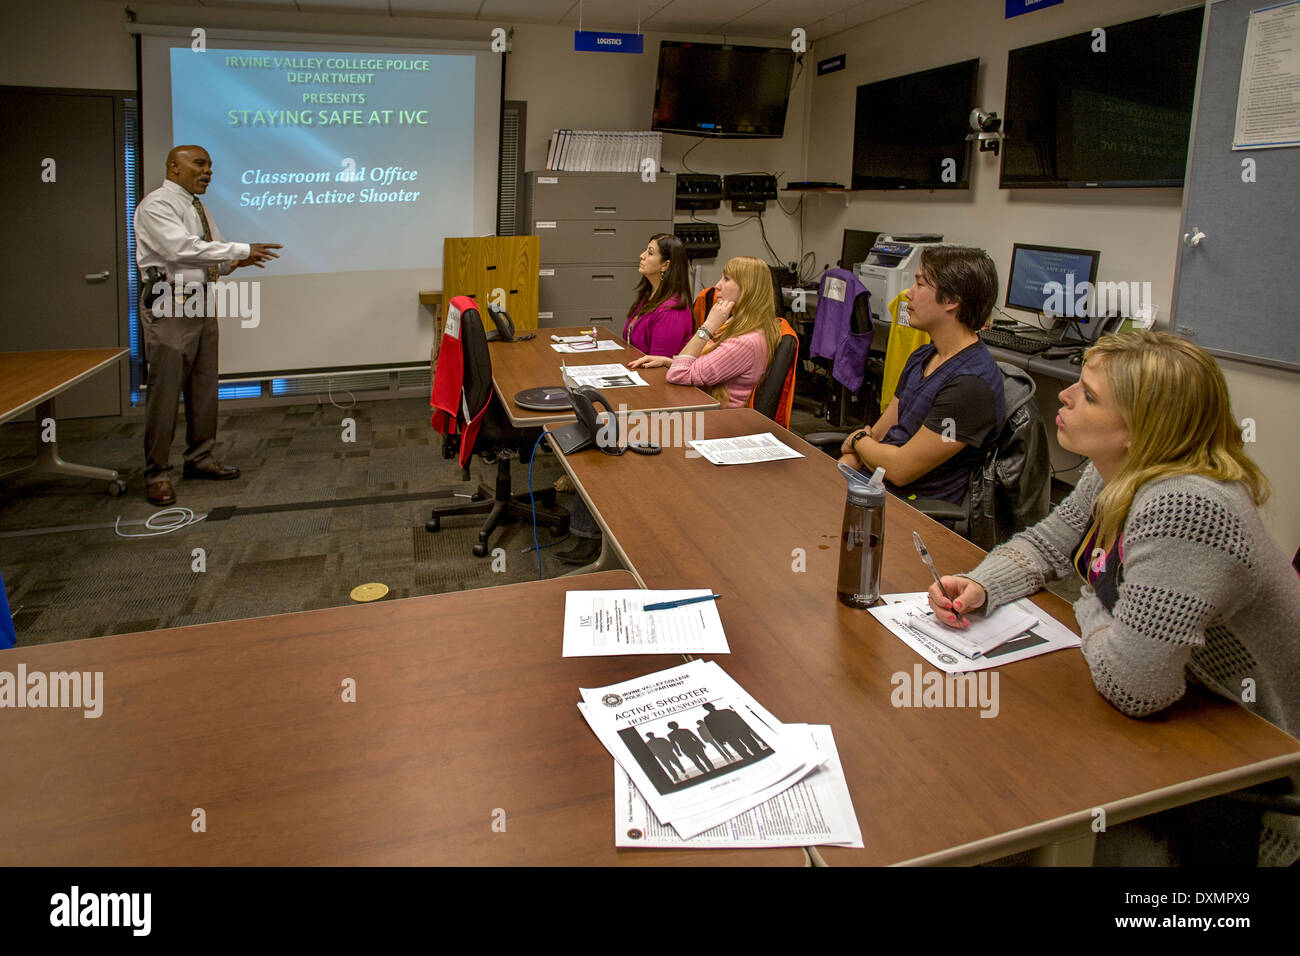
(660, 729)
(603, 376)
(744, 449)
(1014, 632)
(600, 623)
(584, 344)
(815, 811)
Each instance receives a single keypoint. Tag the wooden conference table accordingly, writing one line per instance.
(464, 716)
(32, 380)
(928, 785)
(520, 365)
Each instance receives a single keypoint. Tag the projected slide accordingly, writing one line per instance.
(354, 161)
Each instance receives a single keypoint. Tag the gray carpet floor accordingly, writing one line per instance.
(69, 574)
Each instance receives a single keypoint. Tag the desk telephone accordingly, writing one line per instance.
(591, 428)
(505, 326)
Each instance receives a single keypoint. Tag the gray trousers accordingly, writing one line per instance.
(182, 356)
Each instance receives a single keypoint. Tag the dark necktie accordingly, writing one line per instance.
(213, 271)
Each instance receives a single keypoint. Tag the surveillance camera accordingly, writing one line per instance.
(987, 129)
(982, 122)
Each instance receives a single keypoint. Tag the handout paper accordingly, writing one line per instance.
(815, 811)
(658, 727)
(1043, 637)
(599, 623)
(603, 376)
(584, 344)
(744, 449)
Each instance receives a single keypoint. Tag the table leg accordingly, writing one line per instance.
(1076, 852)
(608, 560)
(48, 460)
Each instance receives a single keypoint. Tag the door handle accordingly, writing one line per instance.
(1193, 239)
(97, 276)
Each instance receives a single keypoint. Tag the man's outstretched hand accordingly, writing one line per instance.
(260, 253)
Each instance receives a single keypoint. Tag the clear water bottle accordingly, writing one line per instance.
(862, 538)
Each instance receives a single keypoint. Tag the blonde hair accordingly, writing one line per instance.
(756, 309)
(1174, 401)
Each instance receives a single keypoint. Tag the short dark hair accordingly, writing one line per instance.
(963, 275)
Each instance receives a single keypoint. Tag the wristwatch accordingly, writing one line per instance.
(703, 333)
(860, 434)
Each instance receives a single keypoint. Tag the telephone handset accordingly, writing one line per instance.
(505, 326)
(591, 428)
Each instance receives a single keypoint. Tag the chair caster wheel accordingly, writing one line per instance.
(116, 487)
(433, 524)
(480, 549)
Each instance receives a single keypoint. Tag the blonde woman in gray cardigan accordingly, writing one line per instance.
(1181, 578)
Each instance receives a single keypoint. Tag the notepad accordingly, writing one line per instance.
(983, 635)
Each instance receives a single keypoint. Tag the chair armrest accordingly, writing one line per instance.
(939, 510)
(825, 440)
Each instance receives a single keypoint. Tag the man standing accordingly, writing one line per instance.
(178, 244)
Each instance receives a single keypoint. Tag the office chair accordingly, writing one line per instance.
(774, 394)
(474, 423)
(1010, 489)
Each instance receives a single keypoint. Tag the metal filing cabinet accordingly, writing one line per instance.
(593, 227)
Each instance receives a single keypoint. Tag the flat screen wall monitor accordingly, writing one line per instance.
(909, 132)
(1078, 116)
(722, 90)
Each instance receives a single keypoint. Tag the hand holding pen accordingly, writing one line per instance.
(950, 596)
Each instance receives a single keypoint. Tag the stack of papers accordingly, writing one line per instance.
(816, 811)
(1013, 632)
(699, 752)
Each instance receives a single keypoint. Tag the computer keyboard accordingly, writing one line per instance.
(1016, 343)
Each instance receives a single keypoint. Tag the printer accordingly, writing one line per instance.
(890, 267)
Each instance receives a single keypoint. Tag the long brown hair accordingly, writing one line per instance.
(1174, 401)
(676, 283)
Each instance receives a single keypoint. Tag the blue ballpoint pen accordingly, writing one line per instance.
(667, 605)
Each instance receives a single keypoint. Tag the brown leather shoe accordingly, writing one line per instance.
(211, 468)
(160, 493)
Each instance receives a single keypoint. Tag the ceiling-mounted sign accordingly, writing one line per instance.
(830, 65)
(596, 41)
(1017, 7)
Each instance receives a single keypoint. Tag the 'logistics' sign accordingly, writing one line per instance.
(593, 41)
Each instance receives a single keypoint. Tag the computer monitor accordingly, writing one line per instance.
(857, 243)
(1056, 283)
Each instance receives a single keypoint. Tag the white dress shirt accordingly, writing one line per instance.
(169, 235)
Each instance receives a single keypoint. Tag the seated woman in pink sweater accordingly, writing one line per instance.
(729, 353)
(659, 322)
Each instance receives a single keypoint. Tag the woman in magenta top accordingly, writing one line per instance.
(731, 350)
(659, 322)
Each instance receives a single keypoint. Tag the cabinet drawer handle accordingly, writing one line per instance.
(605, 232)
(606, 210)
(602, 278)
